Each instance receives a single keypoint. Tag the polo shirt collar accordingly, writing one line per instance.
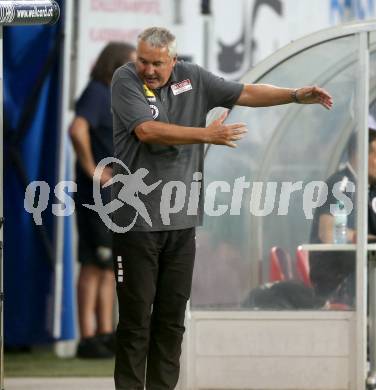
(173, 78)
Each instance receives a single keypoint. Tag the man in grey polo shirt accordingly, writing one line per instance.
(159, 109)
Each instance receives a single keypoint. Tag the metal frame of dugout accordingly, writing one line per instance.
(210, 347)
(16, 13)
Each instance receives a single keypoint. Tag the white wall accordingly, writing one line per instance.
(268, 351)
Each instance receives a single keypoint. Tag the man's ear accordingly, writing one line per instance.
(175, 60)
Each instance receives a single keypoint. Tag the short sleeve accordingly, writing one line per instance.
(220, 92)
(91, 103)
(129, 103)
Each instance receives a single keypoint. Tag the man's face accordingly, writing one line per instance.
(154, 65)
(372, 163)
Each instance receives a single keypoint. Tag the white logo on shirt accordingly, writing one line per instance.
(154, 111)
(120, 272)
(181, 87)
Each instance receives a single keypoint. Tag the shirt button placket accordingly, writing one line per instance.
(164, 99)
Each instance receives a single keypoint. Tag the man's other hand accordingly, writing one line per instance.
(218, 133)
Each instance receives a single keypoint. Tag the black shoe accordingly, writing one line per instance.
(108, 340)
(93, 348)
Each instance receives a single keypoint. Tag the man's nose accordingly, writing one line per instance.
(149, 69)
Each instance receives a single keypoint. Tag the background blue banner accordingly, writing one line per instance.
(31, 141)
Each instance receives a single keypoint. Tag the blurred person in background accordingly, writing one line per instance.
(91, 134)
(333, 273)
(159, 106)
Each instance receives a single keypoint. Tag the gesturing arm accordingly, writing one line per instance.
(264, 95)
(169, 134)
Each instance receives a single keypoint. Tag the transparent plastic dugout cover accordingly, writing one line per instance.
(261, 197)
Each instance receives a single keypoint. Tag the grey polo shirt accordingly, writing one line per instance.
(177, 201)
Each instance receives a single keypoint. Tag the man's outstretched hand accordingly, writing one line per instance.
(314, 95)
(219, 133)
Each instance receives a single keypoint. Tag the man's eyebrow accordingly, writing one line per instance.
(140, 58)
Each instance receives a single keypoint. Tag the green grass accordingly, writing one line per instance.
(46, 364)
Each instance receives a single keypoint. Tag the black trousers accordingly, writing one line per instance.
(154, 277)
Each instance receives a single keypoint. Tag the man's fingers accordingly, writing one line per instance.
(237, 137)
(326, 102)
(329, 103)
(238, 132)
(319, 95)
(325, 98)
(226, 134)
(239, 126)
(242, 131)
(231, 144)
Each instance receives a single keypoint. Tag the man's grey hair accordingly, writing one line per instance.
(159, 37)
